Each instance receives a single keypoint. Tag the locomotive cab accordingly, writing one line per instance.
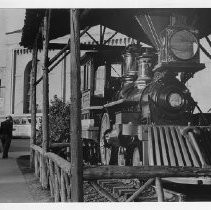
(100, 81)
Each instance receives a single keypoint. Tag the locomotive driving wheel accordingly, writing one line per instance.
(105, 150)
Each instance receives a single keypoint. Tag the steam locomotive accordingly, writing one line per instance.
(142, 113)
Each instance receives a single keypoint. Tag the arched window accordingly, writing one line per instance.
(27, 87)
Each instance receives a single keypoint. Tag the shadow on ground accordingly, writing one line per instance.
(38, 194)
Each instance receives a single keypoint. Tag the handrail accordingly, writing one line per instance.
(58, 173)
(62, 163)
(127, 172)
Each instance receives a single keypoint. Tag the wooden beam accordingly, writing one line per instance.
(67, 46)
(64, 80)
(111, 37)
(102, 34)
(130, 172)
(33, 101)
(75, 110)
(45, 126)
(140, 190)
(159, 189)
(59, 145)
(13, 81)
(208, 40)
(59, 46)
(52, 67)
(94, 40)
(103, 192)
(104, 29)
(205, 51)
(61, 162)
(101, 40)
(37, 148)
(63, 188)
(45, 108)
(85, 30)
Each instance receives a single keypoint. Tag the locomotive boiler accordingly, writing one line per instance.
(146, 117)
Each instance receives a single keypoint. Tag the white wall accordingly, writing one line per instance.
(55, 80)
(2, 38)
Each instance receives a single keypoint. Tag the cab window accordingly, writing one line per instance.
(85, 76)
(99, 81)
(116, 70)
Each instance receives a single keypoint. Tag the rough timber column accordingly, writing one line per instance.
(75, 110)
(45, 120)
(33, 101)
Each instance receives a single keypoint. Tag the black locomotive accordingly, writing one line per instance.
(144, 115)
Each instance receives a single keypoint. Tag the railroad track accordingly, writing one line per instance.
(116, 190)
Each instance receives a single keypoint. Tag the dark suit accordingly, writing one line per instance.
(6, 136)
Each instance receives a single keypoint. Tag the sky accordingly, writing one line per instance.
(200, 85)
(15, 18)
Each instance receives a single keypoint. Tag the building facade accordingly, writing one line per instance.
(16, 64)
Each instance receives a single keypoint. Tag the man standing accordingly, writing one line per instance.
(6, 135)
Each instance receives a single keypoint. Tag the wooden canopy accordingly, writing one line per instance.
(120, 20)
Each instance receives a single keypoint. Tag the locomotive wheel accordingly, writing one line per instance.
(105, 152)
(136, 157)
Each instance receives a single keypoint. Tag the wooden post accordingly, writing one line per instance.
(64, 81)
(36, 163)
(67, 185)
(63, 188)
(52, 177)
(75, 110)
(45, 110)
(56, 189)
(159, 189)
(33, 102)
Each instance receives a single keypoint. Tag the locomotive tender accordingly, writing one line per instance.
(135, 103)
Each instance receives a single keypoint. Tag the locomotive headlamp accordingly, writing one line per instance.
(179, 50)
(184, 44)
(175, 100)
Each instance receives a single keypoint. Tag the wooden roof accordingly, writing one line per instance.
(120, 20)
